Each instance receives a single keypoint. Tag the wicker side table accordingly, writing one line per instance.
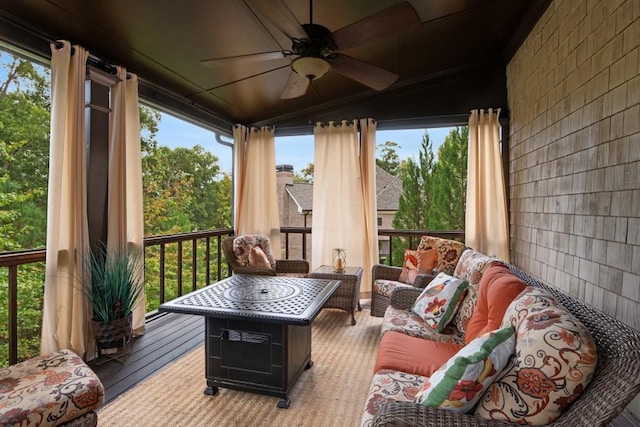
(347, 296)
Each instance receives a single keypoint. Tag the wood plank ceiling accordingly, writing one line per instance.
(453, 62)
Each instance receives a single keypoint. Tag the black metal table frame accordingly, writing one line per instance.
(247, 347)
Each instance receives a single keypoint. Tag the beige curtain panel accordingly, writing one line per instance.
(342, 187)
(370, 249)
(255, 190)
(125, 207)
(486, 219)
(66, 315)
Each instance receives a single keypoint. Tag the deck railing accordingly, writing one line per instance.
(174, 265)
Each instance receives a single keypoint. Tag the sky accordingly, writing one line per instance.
(290, 150)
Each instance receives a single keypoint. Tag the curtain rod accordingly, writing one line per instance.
(94, 61)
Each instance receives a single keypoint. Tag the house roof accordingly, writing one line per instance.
(452, 62)
(388, 190)
(388, 187)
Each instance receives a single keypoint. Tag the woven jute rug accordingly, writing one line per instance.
(331, 393)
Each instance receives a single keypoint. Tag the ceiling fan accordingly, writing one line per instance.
(316, 50)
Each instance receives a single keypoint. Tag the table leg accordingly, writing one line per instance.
(211, 390)
(284, 403)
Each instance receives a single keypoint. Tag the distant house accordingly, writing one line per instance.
(296, 206)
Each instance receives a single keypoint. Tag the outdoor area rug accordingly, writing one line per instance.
(331, 393)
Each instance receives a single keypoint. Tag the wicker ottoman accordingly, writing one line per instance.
(51, 390)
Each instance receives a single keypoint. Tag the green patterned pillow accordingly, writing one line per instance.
(439, 301)
(458, 384)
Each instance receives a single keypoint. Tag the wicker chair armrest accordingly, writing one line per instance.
(247, 269)
(397, 413)
(292, 266)
(404, 297)
(385, 272)
(422, 280)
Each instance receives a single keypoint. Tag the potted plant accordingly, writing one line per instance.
(112, 288)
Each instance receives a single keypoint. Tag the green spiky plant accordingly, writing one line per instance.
(114, 284)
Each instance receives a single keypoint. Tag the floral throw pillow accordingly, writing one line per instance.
(242, 246)
(554, 361)
(439, 301)
(449, 252)
(459, 383)
(417, 262)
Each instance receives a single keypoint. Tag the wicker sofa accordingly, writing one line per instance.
(614, 382)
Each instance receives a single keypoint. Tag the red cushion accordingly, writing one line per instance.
(498, 288)
(400, 352)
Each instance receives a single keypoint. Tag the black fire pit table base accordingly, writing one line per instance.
(257, 330)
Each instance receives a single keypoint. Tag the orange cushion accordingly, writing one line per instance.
(400, 352)
(498, 288)
(417, 262)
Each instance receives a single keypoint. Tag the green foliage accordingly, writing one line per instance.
(111, 281)
(415, 200)
(24, 151)
(388, 158)
(434, 192)
(184, 191)
(306, 174)
(149, 120)
(30, 298)
(449, 190)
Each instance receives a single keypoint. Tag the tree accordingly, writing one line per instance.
(306, 174)
(389, 159)
(449, 191)
(413, 204)
(24, 132)
(149, 120)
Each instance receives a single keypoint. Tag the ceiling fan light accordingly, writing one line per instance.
(310, 67)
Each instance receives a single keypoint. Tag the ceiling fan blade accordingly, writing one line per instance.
(360, 71)
(244, 59)
(281, 17)
(296, 86)
(388, 22)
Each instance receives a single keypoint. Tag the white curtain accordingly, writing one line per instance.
(66, 314)
(344, 216)
(486, 219)
(255, 190)
(125, 204)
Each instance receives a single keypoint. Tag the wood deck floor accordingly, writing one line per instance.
(169, 337)
(166, 339)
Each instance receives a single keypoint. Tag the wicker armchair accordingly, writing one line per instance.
(615, 383)
(380, 300)
(449, 252)
(290, 267)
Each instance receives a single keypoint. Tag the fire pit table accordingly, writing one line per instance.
(257, 330)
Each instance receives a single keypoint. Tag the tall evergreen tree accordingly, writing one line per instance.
(416, 178)
(449, 183)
